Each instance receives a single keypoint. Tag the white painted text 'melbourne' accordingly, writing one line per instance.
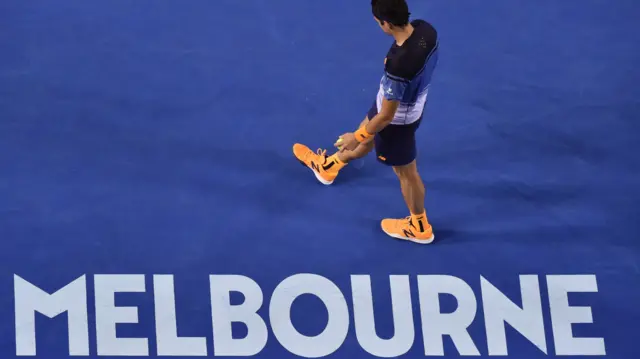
(526, 317)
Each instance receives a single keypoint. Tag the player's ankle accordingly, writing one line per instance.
(419, 219)
(339, 158)
(335, 162)
(343, 158)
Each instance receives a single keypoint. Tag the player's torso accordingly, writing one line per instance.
(414, 62)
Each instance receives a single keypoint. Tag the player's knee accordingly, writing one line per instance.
(359, 152)
(368, 146)
(407, 172)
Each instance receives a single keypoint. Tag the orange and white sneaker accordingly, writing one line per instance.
(324, 167)
(408, 229)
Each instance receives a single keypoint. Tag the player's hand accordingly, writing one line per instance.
(347, 142)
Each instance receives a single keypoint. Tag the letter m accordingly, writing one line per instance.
(30, 299)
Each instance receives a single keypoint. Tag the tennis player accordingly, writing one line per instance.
(391, 123)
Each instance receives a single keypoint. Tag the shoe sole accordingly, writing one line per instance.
(414, 240)
(318, 177)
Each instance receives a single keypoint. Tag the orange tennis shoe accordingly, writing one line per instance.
(324, 167)
(409, 229)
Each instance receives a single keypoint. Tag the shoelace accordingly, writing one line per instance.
(409, 221)
(320, 152)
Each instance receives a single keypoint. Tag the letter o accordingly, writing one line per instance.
(337, 327)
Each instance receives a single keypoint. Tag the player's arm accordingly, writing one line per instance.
(384, 117)
(394, 88)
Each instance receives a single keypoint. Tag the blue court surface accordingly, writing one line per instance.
(150, 204)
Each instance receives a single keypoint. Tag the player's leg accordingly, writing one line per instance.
(395, 146)
(326, 168)
(412, 188)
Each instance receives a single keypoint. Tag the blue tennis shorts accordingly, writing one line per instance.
(396, 144)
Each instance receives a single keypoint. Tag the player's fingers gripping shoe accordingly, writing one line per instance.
(406, 229)
(324, 168)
